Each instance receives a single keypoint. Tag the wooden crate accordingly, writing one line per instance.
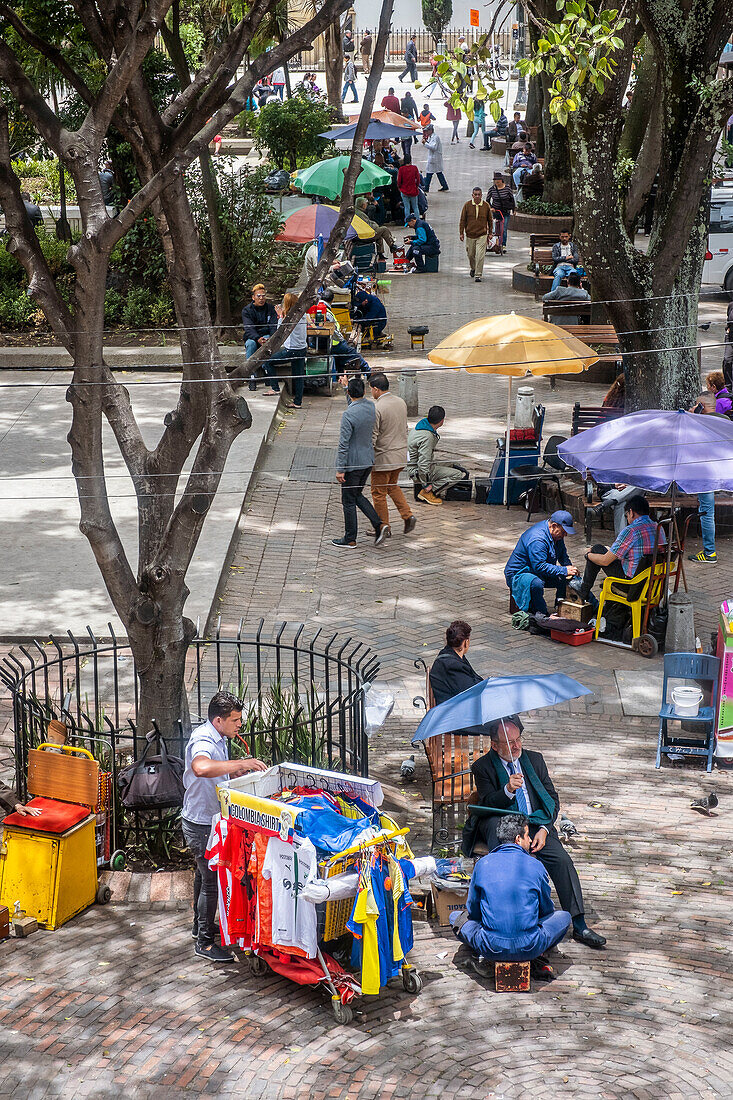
(512, 977)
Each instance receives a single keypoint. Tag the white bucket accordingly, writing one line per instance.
(686, 701)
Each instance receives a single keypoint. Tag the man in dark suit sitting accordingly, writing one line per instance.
(451, 672)
(510, 780)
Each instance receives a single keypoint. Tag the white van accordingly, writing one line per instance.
(718, 266)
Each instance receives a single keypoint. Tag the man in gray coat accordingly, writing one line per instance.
(354, 461)
(390, 451)
(433, 477)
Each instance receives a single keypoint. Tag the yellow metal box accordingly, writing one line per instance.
(52, 875)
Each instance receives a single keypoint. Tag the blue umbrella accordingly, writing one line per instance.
(498, 698)
(376, 130)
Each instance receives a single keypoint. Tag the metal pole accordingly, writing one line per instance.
(506, 444)
(521, 100)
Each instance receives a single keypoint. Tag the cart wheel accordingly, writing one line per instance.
(343, 1013)
(647, 645)
(117, 862)
(103, 895)
(411, 981)
(257, 966)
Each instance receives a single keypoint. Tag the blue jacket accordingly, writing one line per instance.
(356, 450)
(509, 895)
(538, 552)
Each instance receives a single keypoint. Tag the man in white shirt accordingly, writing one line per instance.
(565, 258)
(207, 761)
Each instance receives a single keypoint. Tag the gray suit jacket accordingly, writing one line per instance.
(356, 450)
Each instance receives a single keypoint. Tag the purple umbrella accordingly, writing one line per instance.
(657, 450)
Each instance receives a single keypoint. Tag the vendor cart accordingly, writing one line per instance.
(295, 805)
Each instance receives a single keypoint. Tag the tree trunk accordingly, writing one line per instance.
(533, 116)
(218, 254)
(646, 91)
(558, 180)
(334, 54)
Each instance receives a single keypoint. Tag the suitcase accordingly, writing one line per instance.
(483, 488)
(462, 490)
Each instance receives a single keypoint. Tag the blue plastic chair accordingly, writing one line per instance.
(705, 670)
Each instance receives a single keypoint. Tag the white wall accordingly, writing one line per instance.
(408, 13)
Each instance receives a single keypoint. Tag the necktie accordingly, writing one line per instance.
(520, 797)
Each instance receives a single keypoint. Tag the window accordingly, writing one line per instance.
(721, 217)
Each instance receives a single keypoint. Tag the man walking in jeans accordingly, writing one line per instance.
(207, 761)
(353, 464)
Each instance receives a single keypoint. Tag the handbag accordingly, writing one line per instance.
(152, 782)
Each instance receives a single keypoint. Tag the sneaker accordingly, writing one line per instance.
(252, 384)
(477, 279)
(541, 970)
(383, 533)
(410, 524)
(343, 542)
(482, 966)
(708, 559)
(470, 146)
(428, 497)
(444, 188)
(214, 953)
(472, 274)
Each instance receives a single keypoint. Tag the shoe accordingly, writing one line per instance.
(589, 938)
(410, 524)
(472, 274)
(252, 385)
(214, 953)
(383, 533)
(503, 251)
(477, 279)
(444, 188)
(540, 970)
(471, 145)
(483, 967)
(343, 542)
(709, 559)
(575, 584)
(428, 497)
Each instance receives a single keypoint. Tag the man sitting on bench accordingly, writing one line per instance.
(451, 672)
(565, 258)
(629, 554)
(510, 916)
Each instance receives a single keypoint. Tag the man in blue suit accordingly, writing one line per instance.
(510, 916)
(539, 561)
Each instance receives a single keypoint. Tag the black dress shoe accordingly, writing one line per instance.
(589, 938)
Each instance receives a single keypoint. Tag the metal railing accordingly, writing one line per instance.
(398, 39)
(303, 698)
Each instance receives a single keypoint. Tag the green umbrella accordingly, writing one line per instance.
(326, 178)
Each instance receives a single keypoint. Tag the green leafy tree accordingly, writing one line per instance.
(290, 130)
(436, 15)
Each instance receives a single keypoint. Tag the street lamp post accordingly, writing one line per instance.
(521, 100)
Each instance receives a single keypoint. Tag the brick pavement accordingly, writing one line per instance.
(115, 1002)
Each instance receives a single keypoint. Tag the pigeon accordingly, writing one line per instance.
(704, 326)
(566, 828)
(705, 804)
(407, 769)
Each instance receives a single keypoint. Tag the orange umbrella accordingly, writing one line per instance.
(393, 117)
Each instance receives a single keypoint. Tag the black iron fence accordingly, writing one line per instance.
(303, 699)
(398, 39)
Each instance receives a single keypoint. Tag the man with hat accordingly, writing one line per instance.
(434, 166)
(424, 243)
(501, 199)
(513, 780)
(539, 561)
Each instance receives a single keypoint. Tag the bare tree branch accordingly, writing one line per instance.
(48, 51)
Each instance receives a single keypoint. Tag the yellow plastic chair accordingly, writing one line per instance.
(634, 592)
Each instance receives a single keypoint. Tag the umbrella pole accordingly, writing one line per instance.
(506, 445)
(672, 533)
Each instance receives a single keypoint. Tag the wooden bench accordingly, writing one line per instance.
(587, 416)
(602, 335)
(550, 310)
(450, 756)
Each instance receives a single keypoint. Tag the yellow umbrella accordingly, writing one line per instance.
(362, 228)
(515, 346)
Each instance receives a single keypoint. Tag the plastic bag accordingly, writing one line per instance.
(379, 703)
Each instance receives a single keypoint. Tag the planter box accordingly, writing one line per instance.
(533, 223)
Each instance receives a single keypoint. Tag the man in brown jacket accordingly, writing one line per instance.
(390, 451)
(473, 227)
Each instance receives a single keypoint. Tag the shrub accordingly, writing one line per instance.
(16, 312)
(543, 209)
(114, 304)
(290, 130)
(55, 252)
(42, 179)
(11, 272)
(161, 311)
(136, 310)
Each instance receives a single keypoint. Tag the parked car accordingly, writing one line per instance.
(718, 267)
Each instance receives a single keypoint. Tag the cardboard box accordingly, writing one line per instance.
(446, 902)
